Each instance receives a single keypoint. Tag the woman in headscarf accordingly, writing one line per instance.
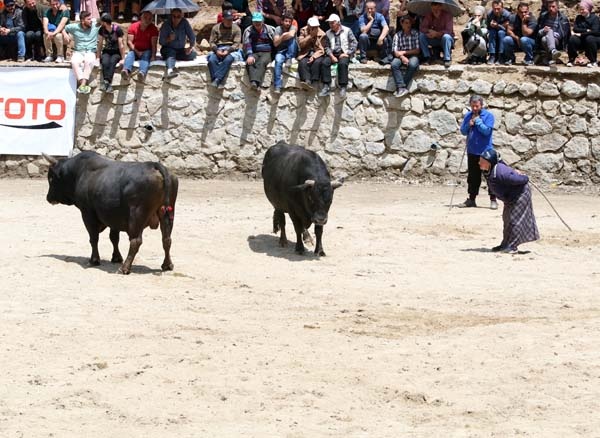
(474, 37)
(586, 34)
(511, 187)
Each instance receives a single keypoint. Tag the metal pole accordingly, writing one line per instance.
(457, 175)
(550, 203)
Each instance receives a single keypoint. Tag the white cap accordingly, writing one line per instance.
(313, 22)
(334, 17)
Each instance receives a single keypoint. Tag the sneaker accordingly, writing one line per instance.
(401, 92)
(140, 77)
(125, 75)
(60, 59)
(255, 85)
(221, 86)
(288, 62)
(552, 62)
(491, 60)
(556, 54)
(343, 93)
(84, 89)
(493, 205)
(508, 62)
(364, 60)
(134, 18)
(307, 85)
(171, 74)
(528, 62)
(21, 59)
(77, 16)
(277, 90)
(108, 89)
(104, 86)
(447, 64)
(426, 61)
(498, 248)
(569, 64)
(324, 91)
(510, 250)
(121, 16)
(592, 64)
(467, 204)
(48, 59)
(214, 83)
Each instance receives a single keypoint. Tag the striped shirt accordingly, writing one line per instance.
(403, 41)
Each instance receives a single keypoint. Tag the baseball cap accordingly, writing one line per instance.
(334, 17)
(313, 22)
(257, 16)
(228, 15)
(9, 2)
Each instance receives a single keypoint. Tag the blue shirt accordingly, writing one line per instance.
(378, 25)
(479, 136)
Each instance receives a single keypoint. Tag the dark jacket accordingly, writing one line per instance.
(589, 25)
(18, 25)
(40, 12)
(504, 182)
(564, 29)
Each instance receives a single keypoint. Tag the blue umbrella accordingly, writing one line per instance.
(162, 7)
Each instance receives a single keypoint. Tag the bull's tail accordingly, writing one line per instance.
(167, 211)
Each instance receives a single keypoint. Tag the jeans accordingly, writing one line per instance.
(445, 42)
(144, 61)
(402, 80)
(18, 38)
(170, 55)
(34, 41)
(526, 46)
(219, 67)
(109, 62)
(496, 41)
(290, 52)
(366, 42)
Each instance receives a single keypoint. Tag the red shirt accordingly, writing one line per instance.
(142, 39)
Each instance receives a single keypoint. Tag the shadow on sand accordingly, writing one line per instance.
(105, 265)
(269, 244)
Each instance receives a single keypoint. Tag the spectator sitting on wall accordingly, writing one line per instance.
(311, 43)
(142, 37)
(321, 10)
(85, 37)
(406, 50)
(225, 40)
(175, 33)
(520, 35)
(12, 33)
(374, 32)
(111, 50)
(553, 33)
(54, 23)
(586, 34)
(437, 31)
(286, 47)
(135, 10)
(340, 47)
(303, 10)
(272, 11)
(474, 37)
(497, 23)
(241, 13)
(33, 15)
(258, 46)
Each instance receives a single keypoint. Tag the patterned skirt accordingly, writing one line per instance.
(519, 221)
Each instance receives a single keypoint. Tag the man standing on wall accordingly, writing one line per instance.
(478, 126)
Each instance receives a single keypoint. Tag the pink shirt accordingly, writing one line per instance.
(442, 24)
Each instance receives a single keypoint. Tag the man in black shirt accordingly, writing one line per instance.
(33, 14)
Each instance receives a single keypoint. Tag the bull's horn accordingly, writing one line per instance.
(50, 159)
(309, 182)
(337, 183)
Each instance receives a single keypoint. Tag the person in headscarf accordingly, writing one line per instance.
(474, 37)
(511, 187)
(585, 35)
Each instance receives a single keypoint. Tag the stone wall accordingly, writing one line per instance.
(547, 123)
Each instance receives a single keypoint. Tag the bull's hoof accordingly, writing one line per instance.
(283, 243)
(123, 270)
(299, 251)
(320, 253)
(116, 258)
(167, 266)
(94, 262)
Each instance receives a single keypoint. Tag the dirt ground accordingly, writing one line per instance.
(409, 326)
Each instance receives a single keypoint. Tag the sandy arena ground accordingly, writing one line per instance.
(409, 326)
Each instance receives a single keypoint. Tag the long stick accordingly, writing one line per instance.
(550, 203)
(457, 175)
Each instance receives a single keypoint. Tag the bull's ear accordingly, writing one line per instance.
(50, 159)
(305, 185)
(337, 183)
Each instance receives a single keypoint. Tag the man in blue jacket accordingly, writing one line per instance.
(478, 126)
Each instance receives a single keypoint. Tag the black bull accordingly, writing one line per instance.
(121, 196)
(297, 182)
